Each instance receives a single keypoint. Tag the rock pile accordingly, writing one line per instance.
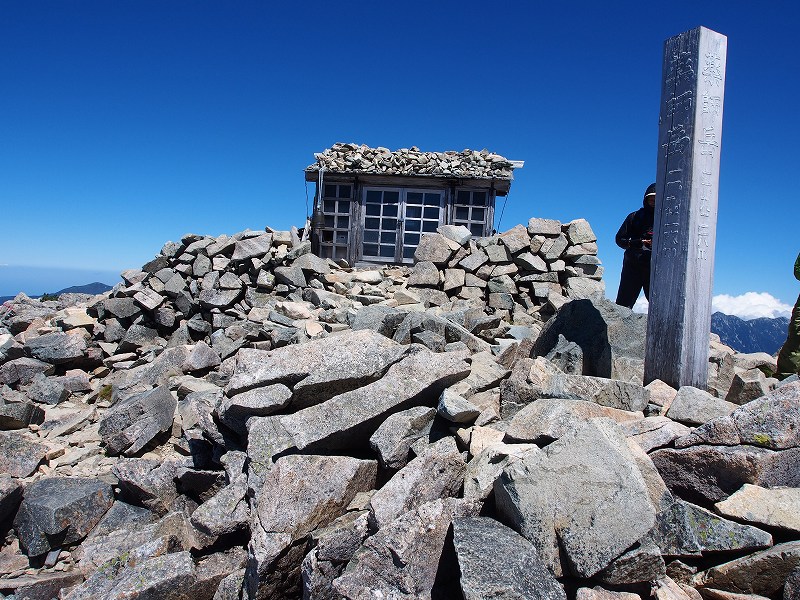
(242, 419)
(354, 158)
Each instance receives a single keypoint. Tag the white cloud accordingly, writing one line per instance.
(750, 305)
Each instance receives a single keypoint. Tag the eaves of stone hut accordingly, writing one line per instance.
(373, 204)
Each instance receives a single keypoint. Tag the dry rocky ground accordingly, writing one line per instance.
(242, 419)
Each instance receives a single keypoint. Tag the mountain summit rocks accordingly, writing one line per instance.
(242, 419)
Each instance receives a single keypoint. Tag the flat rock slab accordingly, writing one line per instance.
(235, 410)
(300, 494)
(60, 511)
(23, 370)
(323, 369)
(437, 473)
(19, 455)
(584, 494)
(775, 507)
(693, 406)
(401, 560)
(772, 421)
(395, 436)
(133, 422)
(496, 562)
(349, 419)
(57, 347)
(654, 432)
(709, 474)
(762, 573)
(550, 418)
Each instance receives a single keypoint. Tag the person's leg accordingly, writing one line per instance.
(630, 285)
(789, 356)
(646, 281)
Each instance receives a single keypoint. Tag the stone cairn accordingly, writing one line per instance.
(354, 158)
(242, 419)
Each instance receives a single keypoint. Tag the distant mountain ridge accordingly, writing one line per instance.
(90, 288)
(756, 335)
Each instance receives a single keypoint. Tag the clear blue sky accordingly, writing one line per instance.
(125, 124)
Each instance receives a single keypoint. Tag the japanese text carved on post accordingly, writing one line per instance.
(684, 231)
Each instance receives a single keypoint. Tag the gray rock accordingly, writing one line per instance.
(604, 330)
(550, 418)
(791, 590)
(453, 279)
(584, 494)
(497, 562)
(401, 560)
(133, 422)
(135, 337)
(219, 298)
(554, 247)
(121, 308)
(18, 415)
(60, 511)
(147, 482)
(473, 261)
(457, 233)
(580, 232)
(19, 455)
(437, 473)
(709, 474)
(567, 356)
(433, 248)
(695, 407)
(762, 573)
(776, 507)
(382, 319)
(149, 299)
(456, 408)
(235, 410)
(47, 390)
(325, 485)
(424, 273)
(486, 467)
(497, 254)
(23, 370)
(516, 239)
(772, 421)
(395, 436)
(226, 512)
(582, 288)
(654, 432)
(291, 276)
(531, 262)
(747, 385)
(548, 227)
(347, 420)
(10, 496)
(641, 564)
(58, 347)
(684, 529)
(254, 247)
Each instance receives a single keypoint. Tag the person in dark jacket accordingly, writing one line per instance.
(789, 356)
(636, 238)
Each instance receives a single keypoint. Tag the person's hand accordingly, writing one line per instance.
(648, 243)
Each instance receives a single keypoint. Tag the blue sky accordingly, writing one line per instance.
(129, 123)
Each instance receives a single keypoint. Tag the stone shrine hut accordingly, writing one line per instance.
(373, 204)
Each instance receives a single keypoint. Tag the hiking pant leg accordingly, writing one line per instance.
(630, 284)
(789, 356)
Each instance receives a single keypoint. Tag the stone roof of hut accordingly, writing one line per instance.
(355, 158)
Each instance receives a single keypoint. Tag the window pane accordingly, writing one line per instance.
(344, 207)
(462, 213)
(479, 198)
(374, 210)
(389, 224)
(374, 196)
(327, 235)
(478, 214)
(391, 197)
(371, 236)
(476, 230)
(388, 237)
(329, 221)
(433, 199)
(462, 197)
(432, 212)
(408, 252)
(330, 191)
(428, 226)
(370, 250)
(342, 222)
(412, 225)
(414, 198)
(372, 223)
(411, 239)
(329, 206)
(387, 251)
(344, 191)
(390, 210)
(326, 252)
(341, 237)
(413, 212)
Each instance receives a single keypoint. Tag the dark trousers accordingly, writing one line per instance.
(635, 278)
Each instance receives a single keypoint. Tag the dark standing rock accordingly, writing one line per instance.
(10, 496)
(18, 415)
(47, 390)
(130, 424)
(23, 370)
(147, 482)
(496, 562)
(19, 456)
(60, 511)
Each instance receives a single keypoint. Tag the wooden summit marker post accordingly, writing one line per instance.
(684, 231)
